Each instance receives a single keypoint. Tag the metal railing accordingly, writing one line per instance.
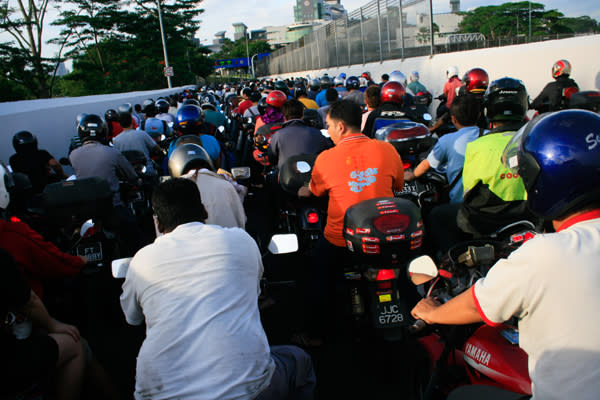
(381, 30)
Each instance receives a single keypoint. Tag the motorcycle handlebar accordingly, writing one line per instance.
(417, 326)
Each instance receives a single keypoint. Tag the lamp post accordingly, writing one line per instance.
(164, 44)
(252, 64)
(247, 52)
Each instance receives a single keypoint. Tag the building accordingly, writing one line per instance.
(311, 11)
(240, 30)
(258, 34)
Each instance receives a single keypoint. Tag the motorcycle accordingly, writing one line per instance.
(471, 354)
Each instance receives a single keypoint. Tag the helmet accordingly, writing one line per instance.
(343, 75)
(314, 84)
(189, 118)
(154, 127)
(325, 82)
(80, 116)
(208, 98)
(162, 105)
(148, 106)
(25, 142)
(109, 115)
(338, 80)
(7, 184)
(91, 127)
(366, 75)
(352, 83)
(186, 157)
(262, 105)
(558, 156)
(506, 99)
(476, 80)
(125, 108)
(282, 86)
(397, 76)
(276, 98)
(393, 92)
(561, 67)
(192, 102)
(414, 76)
(451, 71)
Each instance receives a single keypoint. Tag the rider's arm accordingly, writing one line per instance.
(458, 311)
(57, 168)
(418, 171)
(125, 170)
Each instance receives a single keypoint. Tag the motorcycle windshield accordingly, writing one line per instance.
(511, 151)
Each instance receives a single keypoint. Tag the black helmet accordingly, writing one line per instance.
(314, 84)
(186, 157)
(91, 127)
(148, 107)
(262, 105)
(506, 99)
(326, 82)
(111, 115)
(25, 142)
(281, 85)
(162, 105)
(80, 116)
(192, 102)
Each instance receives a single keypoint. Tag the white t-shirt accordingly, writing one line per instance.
(552, 284)
(220, 199)
(197, 289)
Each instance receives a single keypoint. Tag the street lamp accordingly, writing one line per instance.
(164, 44)
(247, 52)
(252, 64)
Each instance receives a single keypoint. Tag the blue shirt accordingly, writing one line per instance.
(448, 155)
(320, 99)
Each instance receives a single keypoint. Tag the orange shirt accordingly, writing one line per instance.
(357, 168)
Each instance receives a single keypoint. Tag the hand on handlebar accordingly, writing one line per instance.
(424, 309)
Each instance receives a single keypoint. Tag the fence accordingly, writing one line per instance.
(380, 30)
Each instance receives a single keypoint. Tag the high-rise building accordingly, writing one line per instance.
(455, 6)
(240, 30)
(308, 11)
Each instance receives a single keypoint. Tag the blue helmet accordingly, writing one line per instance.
(558, 157)
(352, 83)
(189, 118)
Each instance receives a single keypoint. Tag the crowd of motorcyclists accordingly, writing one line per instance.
(501, 164)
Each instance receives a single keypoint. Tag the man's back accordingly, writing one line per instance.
(198, 287)
(134, 140)
(552, 95)
(356, 169)
(296, 138)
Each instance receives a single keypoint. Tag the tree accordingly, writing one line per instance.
(512, 19)
(237, 49)
(583, 24)
(424, 36)
(21, 58)
(116, 49)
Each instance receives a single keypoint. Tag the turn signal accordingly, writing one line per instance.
(312, 217)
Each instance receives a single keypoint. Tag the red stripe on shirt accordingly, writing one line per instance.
(480, 310)
(594, 214)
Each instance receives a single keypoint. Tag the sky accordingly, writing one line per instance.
(217, 18)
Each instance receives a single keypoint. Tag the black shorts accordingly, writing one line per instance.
(27, 361)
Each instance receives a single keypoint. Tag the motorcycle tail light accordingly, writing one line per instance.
(392, 223)
(385, 275)
(14, 219)
(312, 217)
(406, 165)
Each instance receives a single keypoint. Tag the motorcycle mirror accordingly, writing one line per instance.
(120, 266)
(283, 243)
(85, 227)
(221, 129)
(249, 120)
(303, 167)
(427, 117)
(240, 173)
(422, 269)
(325, 132)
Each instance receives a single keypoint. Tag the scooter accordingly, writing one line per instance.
(470, 354)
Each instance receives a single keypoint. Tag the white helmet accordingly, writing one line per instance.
(451, 71)
(397, 76)
(414, 76)
(6, 184)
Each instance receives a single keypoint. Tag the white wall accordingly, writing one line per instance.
(531, 63)
(53, 120)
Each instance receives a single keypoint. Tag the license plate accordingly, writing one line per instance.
(409, 188)
(389, 314)
(93, 251)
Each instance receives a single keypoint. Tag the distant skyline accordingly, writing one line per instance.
(280, 12)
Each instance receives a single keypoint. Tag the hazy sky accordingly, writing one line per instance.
(218, 17)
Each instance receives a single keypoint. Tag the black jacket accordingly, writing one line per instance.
(551, 98)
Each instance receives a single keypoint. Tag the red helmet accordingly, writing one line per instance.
(476, 80)
(276, 98)
(393, 92)
(366, 75)
(561, 67)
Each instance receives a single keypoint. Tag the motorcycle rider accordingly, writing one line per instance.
(326, 83)
(295, 137)
(219, 196)
(354, 94)
(555, 273)
(392, 107)
(138, 140)
(555, 94)
(357, 168)
(415, 85)
(338, 84)
(372, 100)
(210, 276)
(37, 164)
(302, 97)
(272, 116)
(314, 87)
(493, 195)
(331, 95)
(452, 85)
(162, 106)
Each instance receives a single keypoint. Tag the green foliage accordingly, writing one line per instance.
(512, 19)
(237, 49)
(583, 24)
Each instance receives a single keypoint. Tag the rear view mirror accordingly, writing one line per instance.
(303, 167)
(120, 266)
(427, 117)
(240, 173)
(422, 269)
(283, 244)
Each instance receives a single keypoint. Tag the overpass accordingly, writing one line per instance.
(53, 120)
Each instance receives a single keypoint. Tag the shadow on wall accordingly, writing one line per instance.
(598, 81)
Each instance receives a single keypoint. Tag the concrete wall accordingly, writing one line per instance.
(53, 120)
(531, 63)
